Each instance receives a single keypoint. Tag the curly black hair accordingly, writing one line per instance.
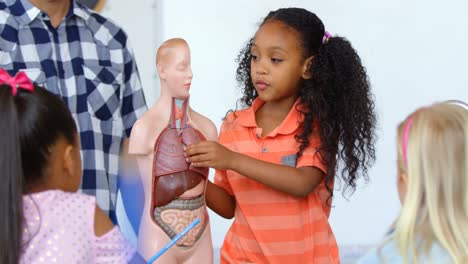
(337, 97)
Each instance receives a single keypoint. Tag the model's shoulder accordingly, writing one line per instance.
(207, 126)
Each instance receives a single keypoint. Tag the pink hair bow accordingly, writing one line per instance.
(326, 37)
(20, 81)
(405, 139)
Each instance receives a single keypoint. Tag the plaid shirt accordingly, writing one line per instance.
(88, 62)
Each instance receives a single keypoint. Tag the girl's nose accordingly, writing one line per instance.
(260, 68)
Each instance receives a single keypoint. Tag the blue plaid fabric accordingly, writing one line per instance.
(88, 62)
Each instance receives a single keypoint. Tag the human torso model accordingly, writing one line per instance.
(173, 189)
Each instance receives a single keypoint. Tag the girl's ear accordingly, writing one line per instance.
(402, 185)
(71, 168)
(306, 74)
(68, 162)
(403, 178)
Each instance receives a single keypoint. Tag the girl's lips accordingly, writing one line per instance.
(261, 85)
(187, 85)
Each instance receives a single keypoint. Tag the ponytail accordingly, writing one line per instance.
(11, 188)
(339, 99)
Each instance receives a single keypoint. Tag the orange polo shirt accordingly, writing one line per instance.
(272, 226)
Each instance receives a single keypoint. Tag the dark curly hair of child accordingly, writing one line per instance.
(337, 97)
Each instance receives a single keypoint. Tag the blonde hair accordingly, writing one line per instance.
(435, 207)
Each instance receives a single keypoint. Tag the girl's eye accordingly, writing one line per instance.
(254, 57)
(275, 60)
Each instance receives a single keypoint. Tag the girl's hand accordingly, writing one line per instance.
(209, 154)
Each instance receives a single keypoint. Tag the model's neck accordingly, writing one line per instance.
(55, 9)
(180, 111)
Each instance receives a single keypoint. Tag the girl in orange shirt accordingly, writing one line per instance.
(308, 105)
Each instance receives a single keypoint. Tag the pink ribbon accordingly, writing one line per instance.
(20, 81)
(405, 139)
(326, 37)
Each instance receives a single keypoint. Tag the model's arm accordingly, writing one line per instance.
(294, 181)
(133, 149)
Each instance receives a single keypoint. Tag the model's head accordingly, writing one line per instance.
(174, 68)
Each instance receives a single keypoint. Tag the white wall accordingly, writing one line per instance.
(415, 53)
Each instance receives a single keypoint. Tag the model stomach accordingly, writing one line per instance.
(194, 192)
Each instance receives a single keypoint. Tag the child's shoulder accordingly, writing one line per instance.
(58, 207)
(231, 120)
(236, 115)
(237, 120)
(65, 200)
(388, 252)
(74, 195)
